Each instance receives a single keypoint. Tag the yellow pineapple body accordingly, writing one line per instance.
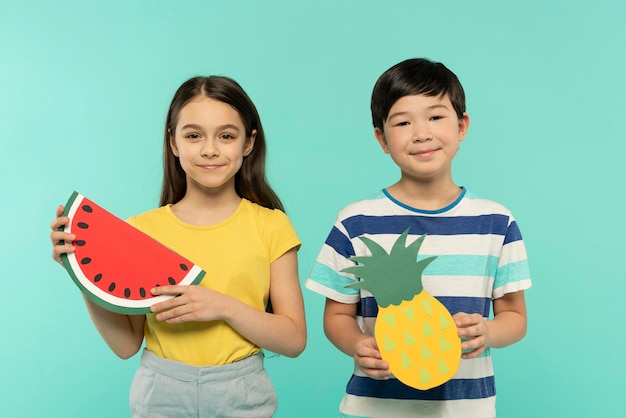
(419, 340)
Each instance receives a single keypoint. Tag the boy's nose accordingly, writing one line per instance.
(422, 136)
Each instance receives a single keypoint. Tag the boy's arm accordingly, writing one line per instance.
(507, 326)
(342, 330)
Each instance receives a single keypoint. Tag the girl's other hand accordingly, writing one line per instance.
(191, 303)
(367, 357)
(57, 237)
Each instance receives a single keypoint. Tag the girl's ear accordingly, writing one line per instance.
(380, 137)
(249, 146)
(173, 146)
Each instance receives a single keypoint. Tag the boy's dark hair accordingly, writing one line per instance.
(413, 77)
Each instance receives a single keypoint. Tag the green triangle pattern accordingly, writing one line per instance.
(390, 318)
(428, 330)
(424, 376)
(443, 322)
(426, 305)
(408, 338)
(443, 368)
(443, 344)
(410, 313)
(406, 361)
(389, 344)
(426, 353)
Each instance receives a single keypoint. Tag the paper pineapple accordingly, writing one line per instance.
(415, 333)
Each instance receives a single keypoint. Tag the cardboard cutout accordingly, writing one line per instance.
(415, 333)
(115, 264)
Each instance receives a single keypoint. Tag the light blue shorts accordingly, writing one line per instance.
(165, 388)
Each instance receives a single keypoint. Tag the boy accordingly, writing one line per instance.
(418, 112)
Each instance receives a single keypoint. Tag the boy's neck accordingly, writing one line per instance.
(425, 195)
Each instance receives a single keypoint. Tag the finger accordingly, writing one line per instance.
(168, 290)
(60, 210)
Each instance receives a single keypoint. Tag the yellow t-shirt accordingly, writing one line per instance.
(236, 255)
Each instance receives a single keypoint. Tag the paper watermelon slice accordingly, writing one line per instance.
(115, 264)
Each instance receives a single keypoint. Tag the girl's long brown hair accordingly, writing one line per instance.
(250, 180)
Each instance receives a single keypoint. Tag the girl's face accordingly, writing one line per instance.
(210, 142)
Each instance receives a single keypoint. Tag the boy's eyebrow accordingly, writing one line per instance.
(433, 107)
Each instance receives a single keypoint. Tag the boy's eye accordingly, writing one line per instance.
(436, 117)
(403, 123)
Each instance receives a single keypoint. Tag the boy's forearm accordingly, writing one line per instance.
(340, 326)
(506, 328)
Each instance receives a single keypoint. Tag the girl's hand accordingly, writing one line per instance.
(191, 303)
(367, 357)
(472, 327)
(57, 236)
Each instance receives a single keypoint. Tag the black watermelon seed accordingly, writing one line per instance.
(127, 292)
(184, 267)
(171, 280)
(97, 278)
(85, 260)
(111, 287)
(82, 225)
(80, 242)
(142, 292)
(87, 208)
(157, 285)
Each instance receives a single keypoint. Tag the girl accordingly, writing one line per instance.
(203, 348)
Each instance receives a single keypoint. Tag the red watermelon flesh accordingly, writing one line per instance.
(115, 264)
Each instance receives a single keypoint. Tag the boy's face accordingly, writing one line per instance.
(422, 134)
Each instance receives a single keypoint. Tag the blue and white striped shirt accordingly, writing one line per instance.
(480, 257)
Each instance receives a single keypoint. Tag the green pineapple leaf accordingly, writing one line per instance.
(391, 277)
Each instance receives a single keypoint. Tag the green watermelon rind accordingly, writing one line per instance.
(91, 291)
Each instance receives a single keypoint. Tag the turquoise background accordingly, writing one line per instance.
(84, 88)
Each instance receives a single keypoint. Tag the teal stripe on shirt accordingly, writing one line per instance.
(462, 265)
(329, 278)
(511, 272)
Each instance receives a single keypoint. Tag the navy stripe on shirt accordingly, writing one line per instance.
(495, 224)
(368, 308)
(394, 389)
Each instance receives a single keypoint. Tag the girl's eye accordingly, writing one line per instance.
(227, 137)
(192, 136)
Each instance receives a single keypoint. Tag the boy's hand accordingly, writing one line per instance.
(473, 328)
(367, 357)
(57, 236)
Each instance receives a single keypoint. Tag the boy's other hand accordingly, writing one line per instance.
(473, 329)
(367, 357)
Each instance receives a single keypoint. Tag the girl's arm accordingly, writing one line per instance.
(283, 331)
(343, 331)
(507, 326)
(122, 333)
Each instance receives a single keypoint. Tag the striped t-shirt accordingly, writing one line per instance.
(480, 257)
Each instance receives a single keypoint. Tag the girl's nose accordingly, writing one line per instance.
(210, 149)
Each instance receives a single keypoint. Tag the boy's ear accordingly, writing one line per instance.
(380, 137)
(249, 144)
(463, 126)
(173, 146)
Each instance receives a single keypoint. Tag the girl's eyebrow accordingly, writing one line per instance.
(220, 127)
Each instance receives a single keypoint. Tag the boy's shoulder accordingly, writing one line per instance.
(374, 203)
(472, 201)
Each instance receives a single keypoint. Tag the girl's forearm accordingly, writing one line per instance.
(122, 333)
